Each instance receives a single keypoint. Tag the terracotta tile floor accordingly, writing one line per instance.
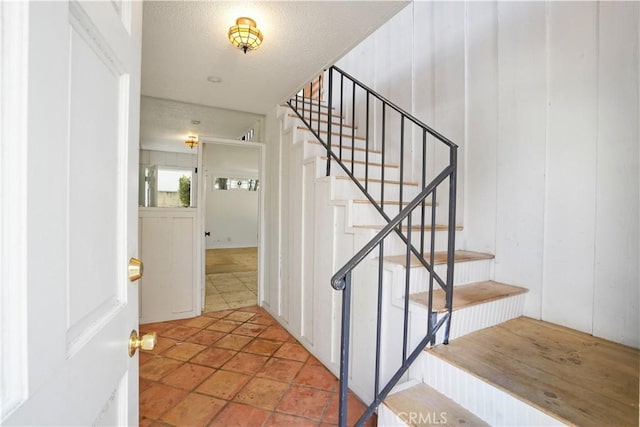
(235, 367)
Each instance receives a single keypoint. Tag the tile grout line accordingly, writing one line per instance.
(228, 315)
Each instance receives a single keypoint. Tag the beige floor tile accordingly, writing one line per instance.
(238, 296)
(229, 287)
(231, 281)
(243, 303)
(216, 305)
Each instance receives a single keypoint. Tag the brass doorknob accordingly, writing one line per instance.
(136, 269)
(146, 342)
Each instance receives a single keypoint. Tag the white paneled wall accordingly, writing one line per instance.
(543, 100)
(617, 183)
(570, 202)
(520, 161)
(167, 244)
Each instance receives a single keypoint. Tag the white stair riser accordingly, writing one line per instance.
(466, 320)
(490, 403)
(358, 169)
(302, 134)
(463, 274)
(366, 214)
(393, 244)
(335, 124)
(316, 149)
(307, 104)
(345, 189)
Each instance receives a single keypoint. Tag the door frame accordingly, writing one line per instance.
(14, 45)
(200, 212)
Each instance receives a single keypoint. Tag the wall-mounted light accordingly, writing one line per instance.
(191, 141)
(245, 35)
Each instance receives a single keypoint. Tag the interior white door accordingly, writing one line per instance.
(80, 230)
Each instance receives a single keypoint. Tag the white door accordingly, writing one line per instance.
(69, 308)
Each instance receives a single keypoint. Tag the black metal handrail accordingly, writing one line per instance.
(309, 108)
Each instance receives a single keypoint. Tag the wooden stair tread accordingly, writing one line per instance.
(427, 227)
(468, 295)
(308, 103)
(336, 142)
(439, 258)
(386, 181)
(387, 202)
(572, 376)
(314, 116)
(430, 408)
(362, 162)
(345, 147)
(314, 120)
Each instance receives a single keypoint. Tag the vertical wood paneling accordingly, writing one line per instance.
(616, 242)
(482, 127)
(308, 283)
(274, 210)
(449, 95)
(167, 246)
(182, 259)
(285, 250)
(424, 81)
(521, 148)
(570, 164)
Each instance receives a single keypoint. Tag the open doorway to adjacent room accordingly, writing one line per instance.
(231, 219)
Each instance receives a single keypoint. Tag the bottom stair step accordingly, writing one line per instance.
(530, 372)
(421, 405)
(468, 295)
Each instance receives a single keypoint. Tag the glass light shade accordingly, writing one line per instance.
(191, 141)
(245, 35)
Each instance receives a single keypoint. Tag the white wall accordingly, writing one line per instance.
(273, 209)
(543, 100)
(231, 216)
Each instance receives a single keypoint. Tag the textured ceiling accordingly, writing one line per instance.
(185, 42)
(164, 125)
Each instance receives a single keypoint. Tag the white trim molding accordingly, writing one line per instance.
(14, 48)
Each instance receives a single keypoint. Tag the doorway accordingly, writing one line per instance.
(231, 223)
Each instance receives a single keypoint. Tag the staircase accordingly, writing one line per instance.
(385, 193)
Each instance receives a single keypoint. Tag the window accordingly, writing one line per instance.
(167, 187)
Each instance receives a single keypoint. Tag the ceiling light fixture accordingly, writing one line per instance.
(214, 79)
(191, 141)
(245, 35)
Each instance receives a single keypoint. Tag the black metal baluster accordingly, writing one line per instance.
(366, 153)
(344, 350)
(453, 161)
(401, 160)
(424, 183)
(310, 105)
(406, 290)
(431, 260)
(379, 321)
(329, 120)
(383, 152)
(319, 102)
(353, 121)
(341, 109)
